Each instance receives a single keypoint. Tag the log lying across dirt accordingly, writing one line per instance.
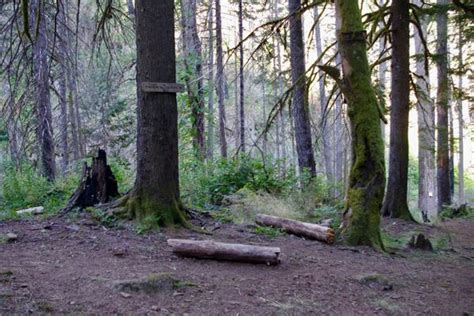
(208, 249)
(308, 230)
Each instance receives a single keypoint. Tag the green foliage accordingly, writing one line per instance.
(270, 232)
(208, 184)
(25, 188)
(123, 173)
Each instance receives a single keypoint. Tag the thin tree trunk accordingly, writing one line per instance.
(281, 114)
(241, 79)
(63, 64)
(382, 73)
(210, 123)
(72, 99)
(395, 202)
(44, 131)
(444, 191)
(325, 131)
(367, 175)
(461, 124)
(304, 145)
(451, 151)
(194, 78)
(427, 200)
(156, 191)
(220, 82)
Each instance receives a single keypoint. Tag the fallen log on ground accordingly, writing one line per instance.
(309, 230)
(208, 249)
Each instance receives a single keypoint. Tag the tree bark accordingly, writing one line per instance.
(427, 201)
(73, 99)
(156, 190)
(208, 249)
(367, 175)
(395, 202)
(211, 83)
(442, 106)
(63, 64)
(44, 130)
(241, 79)
(193, 74)
(309, 230)
(325, 131)
(304, 145)
(220, 82)
(460, 123)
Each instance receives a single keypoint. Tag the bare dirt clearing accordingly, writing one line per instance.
(60, 266)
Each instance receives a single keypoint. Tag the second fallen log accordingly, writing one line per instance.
(208, 249)
(308, 230)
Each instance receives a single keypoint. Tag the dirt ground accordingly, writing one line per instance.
(64, 266)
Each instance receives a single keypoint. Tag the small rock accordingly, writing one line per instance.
(24, 285)
(125, 295)
(11, 237)
(326, 222)
(72, 303)
(155, 307)
(73, 227)
(31, 211)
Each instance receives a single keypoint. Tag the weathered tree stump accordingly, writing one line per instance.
(98, 184)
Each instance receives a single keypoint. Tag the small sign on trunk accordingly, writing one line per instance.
(162, 87)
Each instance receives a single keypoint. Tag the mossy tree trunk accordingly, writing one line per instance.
(367, 174)
(156, 190)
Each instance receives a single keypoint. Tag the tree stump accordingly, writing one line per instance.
(98, 184)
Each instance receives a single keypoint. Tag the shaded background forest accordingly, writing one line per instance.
(79, 57)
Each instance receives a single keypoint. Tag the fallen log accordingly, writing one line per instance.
(31, 211)
(208, 249)
(309, 230)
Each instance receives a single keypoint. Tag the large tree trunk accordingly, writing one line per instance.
(444, 191)
(63, 60)
(304, 145)
(241, 79)
(325, 131)
(395, 202)
(44, 130)
(367, 175)
(461, 123)
(426, 131)
(208, 249)
(210, 122)
(220, 81)
(156, 190)
(194, 78)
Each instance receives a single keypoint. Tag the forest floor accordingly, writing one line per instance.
(66, 265)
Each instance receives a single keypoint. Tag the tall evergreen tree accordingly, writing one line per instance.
(427, 201)
(395, 202)
(156, 190)
(442, 106)
(304, 146)
(367, 175)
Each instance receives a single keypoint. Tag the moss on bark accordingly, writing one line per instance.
(367, 175)
(142, 206)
